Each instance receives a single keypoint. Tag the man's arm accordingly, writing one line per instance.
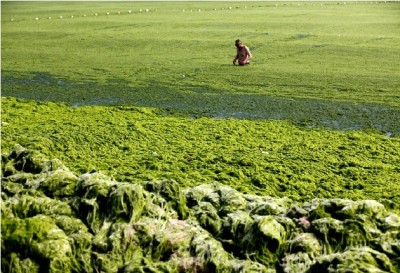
(248, 53)
(236, 58)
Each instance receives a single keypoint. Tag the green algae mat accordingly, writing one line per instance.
(265, 157)
(130, 143)
(56, 221)
(326, 64)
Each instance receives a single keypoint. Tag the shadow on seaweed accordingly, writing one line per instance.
(202, 101)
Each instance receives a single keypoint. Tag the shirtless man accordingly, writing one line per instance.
(243, 54)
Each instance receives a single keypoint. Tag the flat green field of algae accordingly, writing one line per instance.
(272, 158)
(330, 64)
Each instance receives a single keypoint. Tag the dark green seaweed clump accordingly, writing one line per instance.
(56, 221)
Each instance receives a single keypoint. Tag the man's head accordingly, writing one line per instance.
(238, 43)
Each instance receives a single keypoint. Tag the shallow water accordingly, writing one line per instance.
(200, 101)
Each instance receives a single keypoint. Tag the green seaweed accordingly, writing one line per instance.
(288, 161)
(210, 253)
(111, 226)
(127, 202)
(59, 183)
(230, 200)
(80, 240)
(235, 227)
(14, 263)
(207, 216)
(24, 206)
(305, 242)
(297, 262)
(265, 239)
(172, 192)
(37, 238)
(287, 165)
(26, 160)
(362, 259)
(93, 188)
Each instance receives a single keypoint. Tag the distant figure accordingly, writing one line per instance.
(243, 54)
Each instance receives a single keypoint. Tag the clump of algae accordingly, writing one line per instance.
(56, 221)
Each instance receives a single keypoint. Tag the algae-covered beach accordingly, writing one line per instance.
(130, 143)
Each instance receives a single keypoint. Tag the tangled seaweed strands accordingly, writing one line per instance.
(53, 220)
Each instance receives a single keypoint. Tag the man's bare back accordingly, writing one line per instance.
(243, 54)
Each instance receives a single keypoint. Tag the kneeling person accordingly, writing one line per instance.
(243, 54)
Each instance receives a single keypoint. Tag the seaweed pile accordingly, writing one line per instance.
(53, 220)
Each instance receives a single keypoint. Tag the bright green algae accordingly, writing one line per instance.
(328, 64)
(265, 157)
(149, 192)
(112, 226)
